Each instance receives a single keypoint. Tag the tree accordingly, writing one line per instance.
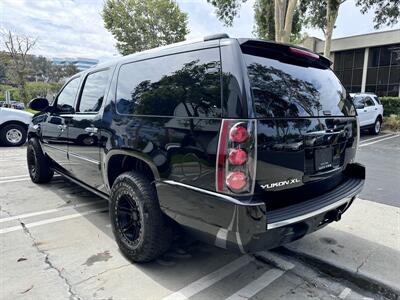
(18, 47)
(386, 11)
(227, 10)
(139, 25)
(265, 21)
(42, 89)
(274, 18)
(322, 14)
(3, 73)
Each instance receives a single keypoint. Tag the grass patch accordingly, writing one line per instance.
(391, 123)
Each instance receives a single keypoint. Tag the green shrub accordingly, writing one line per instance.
(41, 89)
(33, 89)
(391, 106)
(14, 92)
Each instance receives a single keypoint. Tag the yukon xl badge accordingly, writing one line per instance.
(280, 183)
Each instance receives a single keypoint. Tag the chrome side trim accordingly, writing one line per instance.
(96, 162)
(309, 215)
(211, 193)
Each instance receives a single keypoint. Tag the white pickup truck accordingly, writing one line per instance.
(13, 126)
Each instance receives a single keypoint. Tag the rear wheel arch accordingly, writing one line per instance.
(120, 161)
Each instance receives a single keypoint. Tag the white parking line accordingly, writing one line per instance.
(53, 220)
(12, 160)
(257, 285)
(210, 279)
(375, 138)
(15, 180)
(12, 177)
(344, 293)
(49, 211)
(384, 139)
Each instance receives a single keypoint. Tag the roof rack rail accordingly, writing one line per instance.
(216, 36)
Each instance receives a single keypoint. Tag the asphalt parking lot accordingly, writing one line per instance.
(56, 243)
(381, 155)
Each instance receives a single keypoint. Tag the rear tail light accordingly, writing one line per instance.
(236, 157)
(238, 133)
(236, 180)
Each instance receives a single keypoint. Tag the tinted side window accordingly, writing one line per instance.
(369, 102)
(185, 84)
(93, 91)
(66, 99)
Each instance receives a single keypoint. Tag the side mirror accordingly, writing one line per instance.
(39, 104)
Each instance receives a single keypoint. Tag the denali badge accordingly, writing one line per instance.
(281, 183)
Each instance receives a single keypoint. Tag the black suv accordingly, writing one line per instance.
(246, 144)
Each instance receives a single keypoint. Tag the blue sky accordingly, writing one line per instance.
(68, 28)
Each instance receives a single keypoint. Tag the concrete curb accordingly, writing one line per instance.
(359, 278)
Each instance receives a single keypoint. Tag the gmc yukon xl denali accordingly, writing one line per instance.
(246, 144)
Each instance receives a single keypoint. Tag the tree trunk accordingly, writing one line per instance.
(284, 10)
(287, 31)
(332, 10)
(279, 19)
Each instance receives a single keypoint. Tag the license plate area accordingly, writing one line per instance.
(323, 158)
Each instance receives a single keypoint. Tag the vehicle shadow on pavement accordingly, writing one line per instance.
(100, 270)
(186, 261)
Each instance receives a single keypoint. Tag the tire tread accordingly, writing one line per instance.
(43, 172)
(157, 233)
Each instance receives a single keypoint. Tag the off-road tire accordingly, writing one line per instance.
(19, 128)
(155, 234)
(38, 163)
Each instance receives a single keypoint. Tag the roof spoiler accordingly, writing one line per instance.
(285, 49)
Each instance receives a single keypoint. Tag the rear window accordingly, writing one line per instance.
(287, 89)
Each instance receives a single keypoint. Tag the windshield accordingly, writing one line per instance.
(282, 89)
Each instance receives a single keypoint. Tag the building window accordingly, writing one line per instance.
(383, 73)
(348, 66)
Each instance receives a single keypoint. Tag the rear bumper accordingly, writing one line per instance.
(246, 224)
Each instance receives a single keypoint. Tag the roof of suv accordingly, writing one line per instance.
(188, 45)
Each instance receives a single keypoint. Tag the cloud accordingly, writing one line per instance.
(63, 28)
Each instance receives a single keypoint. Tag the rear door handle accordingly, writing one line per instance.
(91, 129)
